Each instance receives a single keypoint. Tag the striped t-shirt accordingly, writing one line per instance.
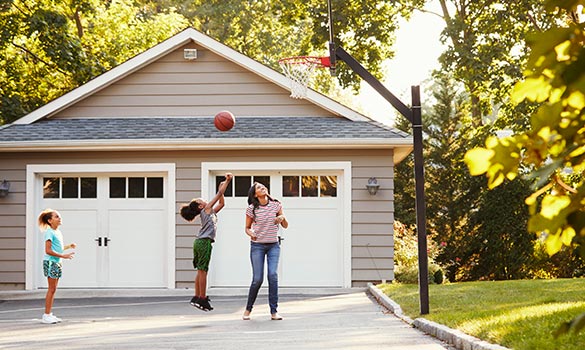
(263, 221)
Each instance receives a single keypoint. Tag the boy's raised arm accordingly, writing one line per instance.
(219, 195)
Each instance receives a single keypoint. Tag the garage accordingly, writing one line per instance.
(313, 248)
(150, 119)
(119, 221)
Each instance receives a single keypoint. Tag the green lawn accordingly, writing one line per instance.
(515, 314)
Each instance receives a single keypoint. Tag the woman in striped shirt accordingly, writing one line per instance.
(263, 216)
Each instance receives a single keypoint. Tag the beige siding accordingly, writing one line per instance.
(12, 234)
(172, 86)
(372, 233)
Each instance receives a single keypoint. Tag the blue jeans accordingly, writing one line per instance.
(257, 253)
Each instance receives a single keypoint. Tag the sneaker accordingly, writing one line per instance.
(49, 319)
(205, 305)
(276, 317)
(57, 318)
(195, 301)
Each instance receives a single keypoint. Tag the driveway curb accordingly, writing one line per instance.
(451, 336)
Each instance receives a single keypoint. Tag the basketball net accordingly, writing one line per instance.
(300, 70)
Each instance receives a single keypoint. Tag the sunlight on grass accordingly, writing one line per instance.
(516, 314)
(502, 321)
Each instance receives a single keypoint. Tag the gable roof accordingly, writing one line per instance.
(167, 46)
(188, 133)
(349, 130)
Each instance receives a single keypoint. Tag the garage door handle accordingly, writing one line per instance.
(99, 240)
(106, 240)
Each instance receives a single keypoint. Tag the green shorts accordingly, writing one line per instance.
(52, 269)
(201, 254)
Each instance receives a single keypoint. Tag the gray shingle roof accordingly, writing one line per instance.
(197, 128)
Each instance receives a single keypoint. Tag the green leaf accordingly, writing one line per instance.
(553, 244)
(562, 51)
(552, 205)
(567, 235)
(478, 160)
(576, 100)
(533, 89)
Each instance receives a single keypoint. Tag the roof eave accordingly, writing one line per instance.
(402, 146)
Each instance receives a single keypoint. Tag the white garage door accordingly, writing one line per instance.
(312, 249)
(118, 223)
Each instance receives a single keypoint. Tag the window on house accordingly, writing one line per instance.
(51, 187)
(136, 187)
(240, 185)
(117, 187)
(154, 187)
(290, 186)
(70, 187)
(88, 187)
(328, 186)
(309, 186)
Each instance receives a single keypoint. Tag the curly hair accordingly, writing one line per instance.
(190, 211)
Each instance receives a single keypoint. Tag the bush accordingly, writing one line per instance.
(406, 256)
(409, 274)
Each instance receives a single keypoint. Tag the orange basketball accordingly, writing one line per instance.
(224, 121)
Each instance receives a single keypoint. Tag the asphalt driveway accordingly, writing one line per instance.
(343, 321)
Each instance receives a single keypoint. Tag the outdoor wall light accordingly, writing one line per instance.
(4, 187)
(372, 186)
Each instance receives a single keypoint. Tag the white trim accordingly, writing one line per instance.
(402, 147)
(214, 143)
(345, 167)
(32, 188)
(167, 46)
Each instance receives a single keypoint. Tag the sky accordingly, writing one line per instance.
(417, 50)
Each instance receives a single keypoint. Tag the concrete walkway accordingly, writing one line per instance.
(349, 319)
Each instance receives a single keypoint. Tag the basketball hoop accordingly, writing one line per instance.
(299, 70)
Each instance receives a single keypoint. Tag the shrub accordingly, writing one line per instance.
(409, 274)
(406, 256)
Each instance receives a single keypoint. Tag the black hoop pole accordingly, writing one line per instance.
(332, 62)
(413, 114)
(419, 179)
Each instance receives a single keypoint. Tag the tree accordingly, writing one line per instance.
(485, 50)
(48, 48)
(553, 147)
(269, 30)
(447, 193)
(499, 246)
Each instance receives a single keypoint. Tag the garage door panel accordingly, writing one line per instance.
(136, 240)
(312, 250)
(230, 260)
(309, 247)
(79, 227)
(309, 203)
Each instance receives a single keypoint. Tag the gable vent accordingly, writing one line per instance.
(190, 54)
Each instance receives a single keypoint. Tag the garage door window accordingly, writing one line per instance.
(309, 186)
(69, 187)
(136, 187)
(240, 185)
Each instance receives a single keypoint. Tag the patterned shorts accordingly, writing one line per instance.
(52, 269)
(201, 254)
